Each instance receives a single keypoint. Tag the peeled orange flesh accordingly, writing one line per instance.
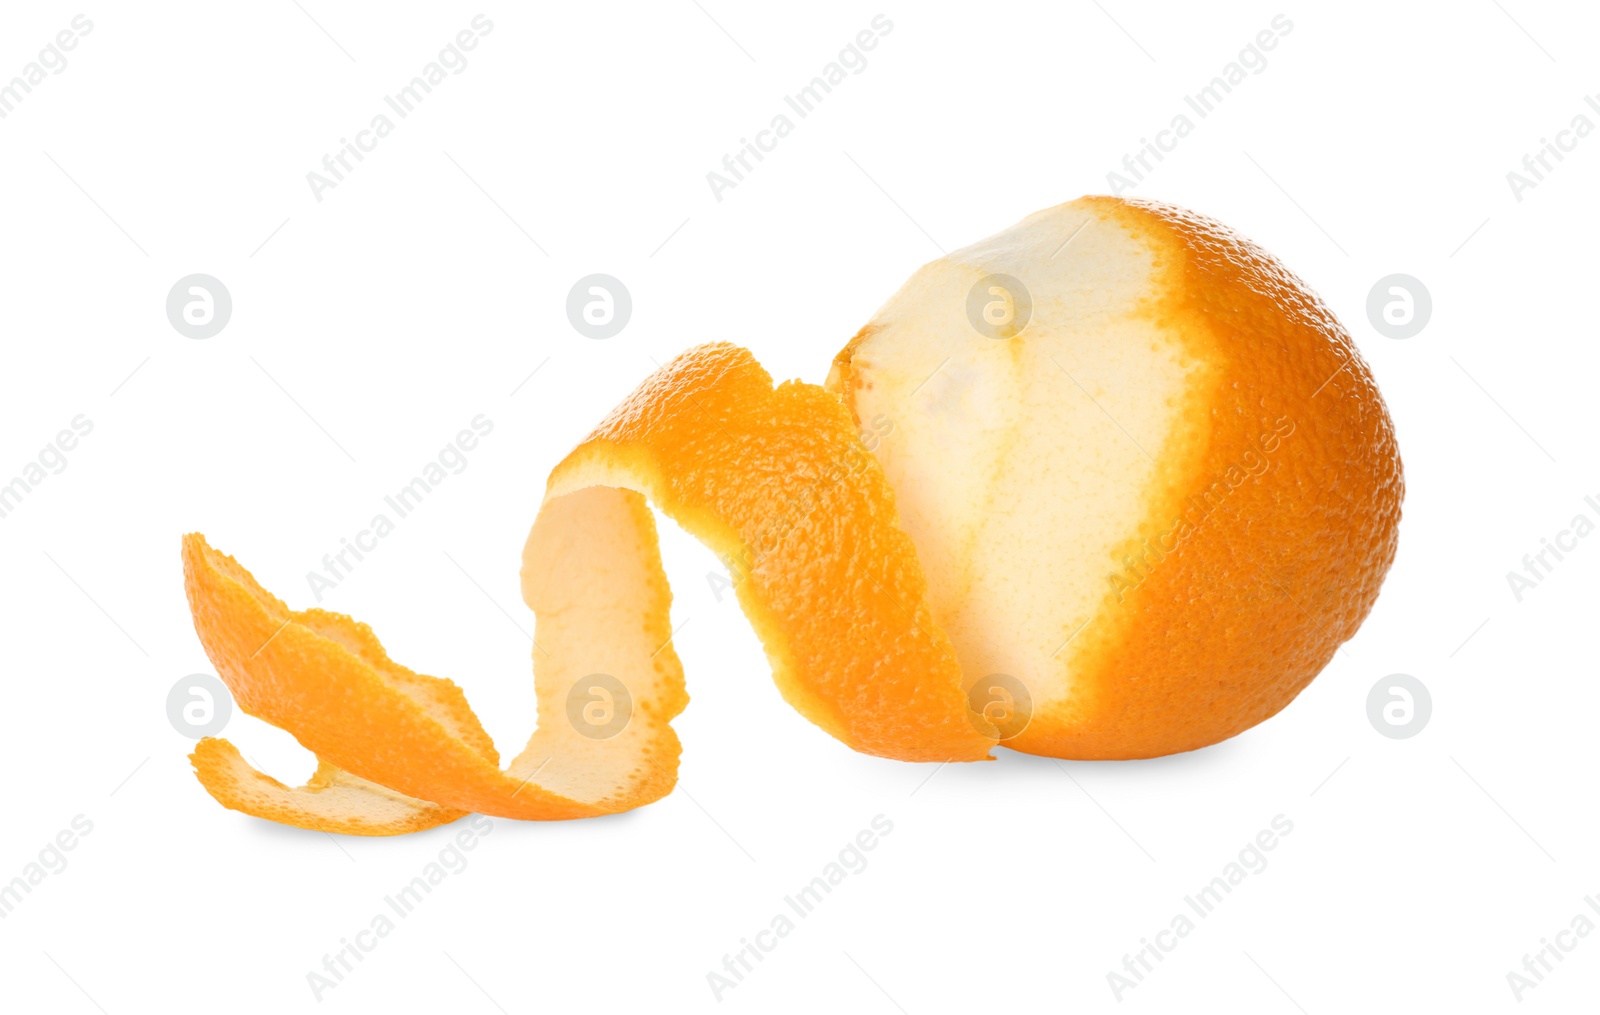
(1127, 472)
(1163, 504)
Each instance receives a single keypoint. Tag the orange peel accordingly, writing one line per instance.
(715, 446)
(330, 801)
(883, 582)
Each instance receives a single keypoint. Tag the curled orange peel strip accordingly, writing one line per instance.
(775, 480)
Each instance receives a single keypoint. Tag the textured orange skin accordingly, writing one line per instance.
(779, 484)
(216, 761)
(1265, 579)
(313, 674)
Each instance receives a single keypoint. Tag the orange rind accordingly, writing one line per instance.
(716, 448)
(1145, 510)
(331, 801)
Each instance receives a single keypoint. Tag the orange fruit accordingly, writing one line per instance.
(1159, 495)
(1111, 484)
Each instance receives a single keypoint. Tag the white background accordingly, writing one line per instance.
(371, 326)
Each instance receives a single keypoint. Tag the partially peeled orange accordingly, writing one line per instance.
(1135, 488)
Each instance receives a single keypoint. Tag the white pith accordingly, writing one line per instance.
(1021, 464)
